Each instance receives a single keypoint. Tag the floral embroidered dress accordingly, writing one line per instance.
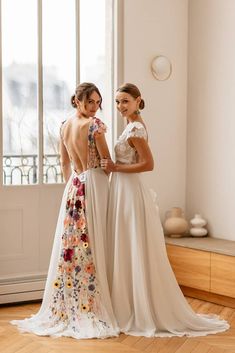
(146, 298)
(76, 301)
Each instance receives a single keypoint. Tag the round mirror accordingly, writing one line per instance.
(161, 67)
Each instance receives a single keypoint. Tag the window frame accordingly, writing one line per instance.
(116, 66)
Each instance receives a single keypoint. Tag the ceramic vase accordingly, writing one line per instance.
(198, 226)
(175, 225)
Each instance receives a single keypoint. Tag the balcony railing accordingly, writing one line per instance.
(23, 169)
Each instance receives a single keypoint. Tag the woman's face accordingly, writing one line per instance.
(126, 104)
(89, 107)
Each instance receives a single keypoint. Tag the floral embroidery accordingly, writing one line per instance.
(96, 127)
(76, 288)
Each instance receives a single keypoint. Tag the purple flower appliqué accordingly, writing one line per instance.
(91, 287)
(75, 215)
(77, 269)
(68, 254)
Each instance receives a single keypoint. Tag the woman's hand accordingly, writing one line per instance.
(107, 165)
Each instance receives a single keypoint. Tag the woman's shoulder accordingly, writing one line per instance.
(63, 124)
(136, 129)
(98, 126)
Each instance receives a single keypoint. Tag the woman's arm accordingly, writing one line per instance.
(65, 161)
(102, 148)
(144, 164)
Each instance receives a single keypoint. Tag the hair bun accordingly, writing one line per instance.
(74, 105)
(142, 104)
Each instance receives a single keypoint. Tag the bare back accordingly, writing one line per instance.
(74, 134)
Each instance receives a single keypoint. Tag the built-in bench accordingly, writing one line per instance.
(204, 267)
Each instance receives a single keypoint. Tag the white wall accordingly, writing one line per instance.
(153, 27)
(211, 115)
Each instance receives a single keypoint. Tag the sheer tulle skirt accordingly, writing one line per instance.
(146, 298)
(76, 300)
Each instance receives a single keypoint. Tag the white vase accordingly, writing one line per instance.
(198, 224)
(198, 232)
(198, 221)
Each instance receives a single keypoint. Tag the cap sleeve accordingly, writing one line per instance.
(137, 130)
(99, 127)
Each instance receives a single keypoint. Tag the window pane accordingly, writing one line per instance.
(96, 51)
(59, 77)
(19, 58)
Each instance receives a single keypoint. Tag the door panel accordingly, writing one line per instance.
(28, 217)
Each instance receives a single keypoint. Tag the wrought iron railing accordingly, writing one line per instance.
(23, 169)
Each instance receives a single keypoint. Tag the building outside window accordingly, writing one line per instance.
(47, 47)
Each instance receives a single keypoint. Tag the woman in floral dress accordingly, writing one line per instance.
(76, 301)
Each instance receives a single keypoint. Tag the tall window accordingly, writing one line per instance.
(48, 46)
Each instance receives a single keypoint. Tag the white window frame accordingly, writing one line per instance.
(115, 69)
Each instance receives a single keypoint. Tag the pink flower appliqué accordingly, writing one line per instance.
(76, 181)
(81, 190)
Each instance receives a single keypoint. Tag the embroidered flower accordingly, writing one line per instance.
(81, 190)
(85, 245)
(68, 254)
(80, 223)
(90, 301)
(57, 283)
(69, 269)
(75, 240)
(91, 278)
(77, 269)
(91, 287)
(66, 221)
(65, 243)
(78, 204)
(84, 308)
(90, 268)
(75, 215)
(76, 181)
(62, 315)
(69, 284)
(84, 238)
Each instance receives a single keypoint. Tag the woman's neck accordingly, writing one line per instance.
(82, 116)
(133, 118)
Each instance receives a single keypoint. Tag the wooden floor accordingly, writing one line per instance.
(11, 341)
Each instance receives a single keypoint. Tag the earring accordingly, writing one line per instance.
(137, 112)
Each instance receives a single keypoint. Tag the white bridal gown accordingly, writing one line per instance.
(146, 298)
(77, 301)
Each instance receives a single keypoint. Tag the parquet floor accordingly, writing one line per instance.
(11, 341)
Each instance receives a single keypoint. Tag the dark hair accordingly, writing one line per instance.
(133, 90)
(83, 92)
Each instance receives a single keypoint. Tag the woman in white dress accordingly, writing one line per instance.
(77, 301)
(146, 298)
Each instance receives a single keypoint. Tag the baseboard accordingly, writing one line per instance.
(209, 297)
(22, 288)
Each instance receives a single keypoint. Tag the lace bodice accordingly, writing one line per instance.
(124, 153)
